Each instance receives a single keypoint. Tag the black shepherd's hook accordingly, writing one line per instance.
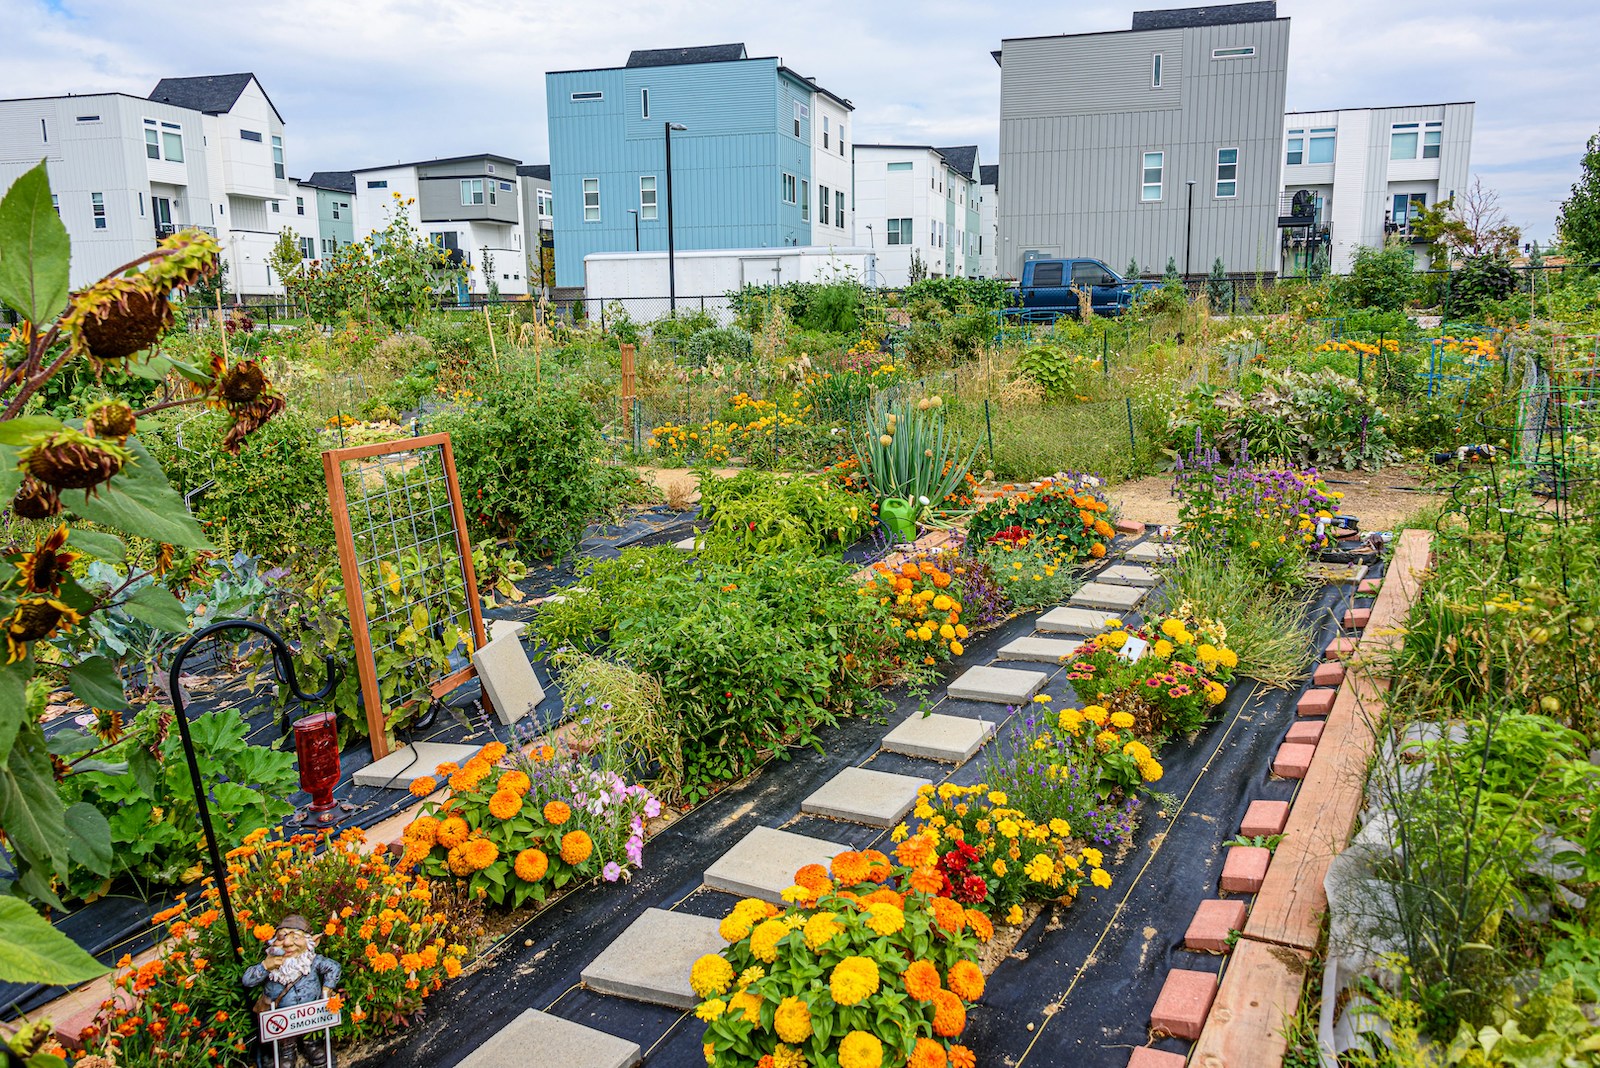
(280, 654)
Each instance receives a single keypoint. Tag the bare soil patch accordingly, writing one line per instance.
(1380, 499)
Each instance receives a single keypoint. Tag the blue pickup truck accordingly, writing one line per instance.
(1047, 289)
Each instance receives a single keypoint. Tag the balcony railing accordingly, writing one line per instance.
(167, 230)
(1403, 230)
(1301, 208)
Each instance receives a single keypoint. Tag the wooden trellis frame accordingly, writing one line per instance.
(401, 528)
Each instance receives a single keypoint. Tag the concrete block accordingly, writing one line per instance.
(1244, 868)
(1213, 922)
(651, 960)
(1306, 732)
(1128, 575)
(1001, 686)
(499, 628)
(508, 678)
(1084, 621)
(861, 795)
(764, 861)
(951, 739)
(1317, 702)
(1038, 650)
(1328, 674)
(539, 1038)
(406, 765)
(1183, 1004)
(1263, 819)
(686, 545)
(1106, 596)
(1153, 551)
(1293, 760)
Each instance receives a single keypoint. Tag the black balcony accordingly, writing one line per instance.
(1299, 208)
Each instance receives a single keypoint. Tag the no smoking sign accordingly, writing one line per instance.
(297, 1020)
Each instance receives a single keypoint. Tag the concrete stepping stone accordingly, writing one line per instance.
(1128, 575)
(861, 795)
(1065, 620)
(406, 765)
(1214, 920)
(1154, 552)
(1038, 650)
(651, 960)
(1183, 1004)
(950, 739)
(764, 861)
(539, 1038)
(1001, 686)
(686, 545)
(1105, 595)
(508, 679)
(499, 628)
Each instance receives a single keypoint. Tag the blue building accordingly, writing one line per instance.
(763, 162)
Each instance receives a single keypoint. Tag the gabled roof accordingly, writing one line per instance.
(1178, 18)
(441, 159)
(674, 57)
(211, 94)
(989, 174)
(535, 170)
(338, 181)
(962, 158)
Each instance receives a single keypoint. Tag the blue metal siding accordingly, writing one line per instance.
(727, 190)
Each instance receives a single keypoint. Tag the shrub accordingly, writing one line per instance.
(834, 307)
(959, 294)
(1382, 278)
(1479, 282)
(718, 343)
(525, 459)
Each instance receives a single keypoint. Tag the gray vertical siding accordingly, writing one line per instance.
(1078, 113)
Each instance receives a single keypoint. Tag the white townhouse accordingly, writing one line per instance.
(918, 204)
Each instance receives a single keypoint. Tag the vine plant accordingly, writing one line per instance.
(86, 483)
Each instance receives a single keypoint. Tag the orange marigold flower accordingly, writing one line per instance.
(980, 924)
(949, 1015)
(556, 813)
(453, 831)
(927, 879)
(915, 851)
(531, 864)
(927, 1054)
(493, 751)
(424, 786)
(576, 847)
(813, 877)
(452, 967)
(922, 980)
(884, 894)
(456, 860)
(504, 804)
(966, 980)
(962, 1057)
(878, 870)
(948, 915)
(263, 931)
(515, 781)
(1097, 550)
(480, 852)
(850, 868)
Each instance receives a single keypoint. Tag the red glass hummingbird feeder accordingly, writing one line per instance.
(316, 745)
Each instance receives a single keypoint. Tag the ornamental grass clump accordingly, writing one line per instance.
(517, 830)
(867, 967)
(906, 450)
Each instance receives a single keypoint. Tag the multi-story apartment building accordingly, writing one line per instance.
(336, 209)
(300, 217)
(1160, 141)
(538, 225)
(753, 146)
(988, 218)
(469, 205)
(1358, 177)
(917, 208)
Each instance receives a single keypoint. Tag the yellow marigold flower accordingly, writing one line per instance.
(885, 919)
(711, 975)
(711, 1011)
(1228, 658)
(1171, 627)
(997, 797)
(1040, 869)
(1163, 648)
(821, 928)
(792, 1021)
(956, 649)
(1100, 877)
(1060, 827)
(1093, 856)
(788, 1057)
(1122, 720)
(1106, 740)
(747, 1003)
(751, 974)
(764, 940)
(1150, 771)
(1014, 916)
(854, 979)
(999, 868)
(899, 833)
(860, 1050)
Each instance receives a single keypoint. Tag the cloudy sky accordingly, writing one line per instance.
(365, 82)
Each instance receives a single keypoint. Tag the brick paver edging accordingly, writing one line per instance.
(1263, 978)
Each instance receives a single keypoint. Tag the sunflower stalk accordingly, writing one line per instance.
(906, 449)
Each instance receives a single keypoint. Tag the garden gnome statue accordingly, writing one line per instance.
(294, 974)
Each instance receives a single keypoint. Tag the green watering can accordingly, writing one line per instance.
(899, 518)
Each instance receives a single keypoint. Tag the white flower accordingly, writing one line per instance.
(922, 500)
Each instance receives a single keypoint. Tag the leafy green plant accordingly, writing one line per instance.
(755, 513)
(1382, 278)
(906, 450)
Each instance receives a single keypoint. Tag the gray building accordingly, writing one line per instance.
(1156, 142)
(538, 224)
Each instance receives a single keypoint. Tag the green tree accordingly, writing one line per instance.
(1171, 273)
(1218, 291)
(1382, 278)
(285, 258)
(1579, 221)
(1132, 270)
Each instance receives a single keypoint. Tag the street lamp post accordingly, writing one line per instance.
(1188, 229)
(635, 213)
(672, 266)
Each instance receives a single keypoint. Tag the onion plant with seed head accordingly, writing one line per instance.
(906, 449)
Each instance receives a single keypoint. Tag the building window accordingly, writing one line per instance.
(838, 208)
(1321, 148)
(542, 200)
(383, 183)
(308, 248)
(591, 200)
(491, 193)
(250, 135)
(644, 103)
(44, 132)
(825, 125)
(801, 114)
(899, 166)
(299, 205)
(1403, 138)
(471, 192)
(277, 157)
(1155, 71)
(900, 232)
(805, 200)
(1432, 140)
(594, 95)
(98, 200)
(172, 145)
(1407, 206)
(1233, 53)
(152, 144)
(789, 188)
(88, 118)
(55, 202)
(1154, 167)
(1227, 173)
(336, 206)
(277, 207)
(824, 203)
(647, 198)
(1296, 152)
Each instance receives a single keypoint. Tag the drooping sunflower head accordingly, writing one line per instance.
(42, 570)
(69, 459)
(36, 500)
(109, 419)
(33, 619)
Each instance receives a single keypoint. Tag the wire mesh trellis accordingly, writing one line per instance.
(408, 578)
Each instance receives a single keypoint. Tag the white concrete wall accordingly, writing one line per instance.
(630, 276)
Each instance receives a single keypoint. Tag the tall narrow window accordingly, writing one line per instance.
(647, 198)
(152, 144)
(1296, 151)
(824, 203)
(1155, 71)
(300, 208)
(277, 157)
(98, 202)
(591, 200)
(1227, 173)
(788, 189)
(1403, 141)
(1432, 140)
(825, 131)
(838, 208)
(805, 200)
(1154, 167)
(644, 103)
